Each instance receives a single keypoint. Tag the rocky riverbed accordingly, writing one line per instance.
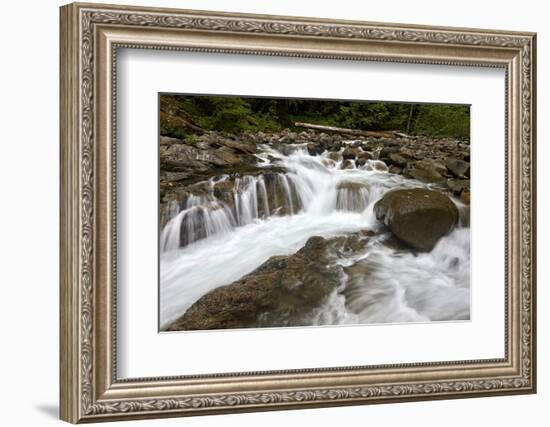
(184, 166)
(312, 228)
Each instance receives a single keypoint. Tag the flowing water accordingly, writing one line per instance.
(212, 240)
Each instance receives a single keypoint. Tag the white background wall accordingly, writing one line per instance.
(29, 170)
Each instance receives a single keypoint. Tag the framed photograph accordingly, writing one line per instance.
(267, 212)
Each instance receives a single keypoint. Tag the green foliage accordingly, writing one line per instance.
(365, 116)
(225, 114)
(443, 120)
(191, 139)
(236, 115)
(170, 126)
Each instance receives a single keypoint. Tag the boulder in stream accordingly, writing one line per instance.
(417, 216)
(350, 153)
(283, 291)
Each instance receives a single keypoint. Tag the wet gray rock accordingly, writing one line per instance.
(239, 146)
(457, 186)
(347, 164)
(426, 171)
(326, 140)
(362, 158)
(459, 168)
(177, 155)
(386, 151)
(398, 159)
(314, 149)
(335, 156)
(281, 292)
(334, 146)
(395, 169)
(364, 155)
(350, 153)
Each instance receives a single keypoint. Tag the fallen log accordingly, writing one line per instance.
(176, 120)
(355, 132)
(194, 127)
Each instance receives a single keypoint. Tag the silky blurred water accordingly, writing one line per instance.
(379, 285)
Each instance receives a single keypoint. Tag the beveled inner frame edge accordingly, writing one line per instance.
(116, 41)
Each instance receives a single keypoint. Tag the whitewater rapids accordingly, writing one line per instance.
(237, 238)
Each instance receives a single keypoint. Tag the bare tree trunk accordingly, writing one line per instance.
(355, 132)
(409, 122)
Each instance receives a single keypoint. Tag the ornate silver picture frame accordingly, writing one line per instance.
(91, 35)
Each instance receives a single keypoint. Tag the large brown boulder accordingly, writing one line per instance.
(417, 216)
(281, 292)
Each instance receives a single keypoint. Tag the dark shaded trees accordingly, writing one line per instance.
(233, 114)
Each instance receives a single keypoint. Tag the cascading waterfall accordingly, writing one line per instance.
(262, 189)
(207, 215)
(220, 236)
(202, 218)
(353, 199)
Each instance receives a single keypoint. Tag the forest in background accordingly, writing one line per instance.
(236, 115)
